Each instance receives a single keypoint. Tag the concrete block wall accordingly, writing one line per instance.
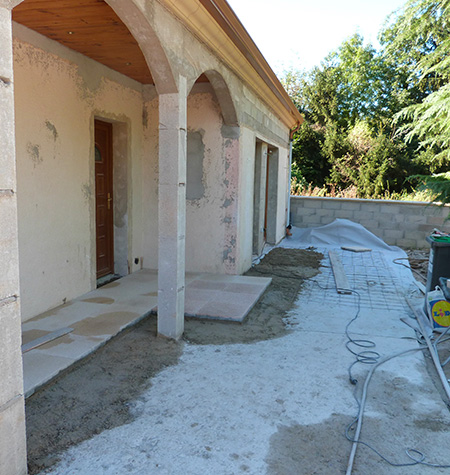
(399, 223)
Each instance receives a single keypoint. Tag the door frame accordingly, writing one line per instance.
(104, 202)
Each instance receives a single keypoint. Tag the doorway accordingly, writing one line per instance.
(104, 210)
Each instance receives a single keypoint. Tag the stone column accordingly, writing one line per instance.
(172, 211)
(13, 460)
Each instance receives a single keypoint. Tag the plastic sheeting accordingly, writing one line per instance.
(341, 232)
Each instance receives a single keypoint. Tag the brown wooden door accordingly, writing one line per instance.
(103, 198)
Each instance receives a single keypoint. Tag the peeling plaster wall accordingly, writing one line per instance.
(57, 95)
(211, 218)
(190, 58)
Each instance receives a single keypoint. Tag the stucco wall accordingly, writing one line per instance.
(399, 223)
(57, 95)
(207, 216)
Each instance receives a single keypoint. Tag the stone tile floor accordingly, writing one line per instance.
(101, 314)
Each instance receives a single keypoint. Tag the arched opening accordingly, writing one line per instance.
(212, 176)
(222, 94)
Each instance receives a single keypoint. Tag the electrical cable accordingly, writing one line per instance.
(260, 254)
(404, 265)
(371, 357)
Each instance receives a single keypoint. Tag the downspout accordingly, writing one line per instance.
(288, 210)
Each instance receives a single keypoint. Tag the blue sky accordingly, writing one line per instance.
(300, 33)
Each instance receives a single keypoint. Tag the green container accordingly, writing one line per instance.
(438, 264)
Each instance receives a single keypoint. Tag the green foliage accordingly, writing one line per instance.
(417, 39)
(423, 28)
(349, 139)
(437, 185)
(307, 154)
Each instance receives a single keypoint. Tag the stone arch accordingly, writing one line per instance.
(224, 98)
(149, 43)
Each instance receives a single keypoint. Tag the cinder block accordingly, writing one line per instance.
(422, 244)
(407, 243)
(389, 240)
(309, 221)
(363, 215)
(326, 219)
(391, 208)
(312, 203)
(298, 211)
(385, 218)
(435, 220)
(444, 211)
(399, 218)
(331, 204)
(369, 224)
(393, 234)
(416, 235)
(415, 219)
(426, 228)
(325, 212)
(433, 210)
(297, 220)
(350, 205)
(308, 212)
(375, 207)
(409, 227)
(343, 214)
(296, 202)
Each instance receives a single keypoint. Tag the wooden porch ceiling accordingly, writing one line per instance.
(90, 27)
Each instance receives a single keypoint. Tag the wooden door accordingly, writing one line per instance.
(104, 218)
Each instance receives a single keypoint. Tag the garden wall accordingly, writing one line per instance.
(401, 223)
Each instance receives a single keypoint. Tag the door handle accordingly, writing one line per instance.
(109, 199)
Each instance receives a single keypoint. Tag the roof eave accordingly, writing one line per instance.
(229, 40)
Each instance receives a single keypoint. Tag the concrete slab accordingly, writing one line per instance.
(282, 405)
(225, 297)
(99, 315)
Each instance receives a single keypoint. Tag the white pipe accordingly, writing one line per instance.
(433, 351)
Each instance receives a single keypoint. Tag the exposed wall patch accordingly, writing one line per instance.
(195, 188)
(52, 129)
(34, 151)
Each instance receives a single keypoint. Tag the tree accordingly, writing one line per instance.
(351, 96)
(423, 29)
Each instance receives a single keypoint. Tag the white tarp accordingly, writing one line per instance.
(341, 232)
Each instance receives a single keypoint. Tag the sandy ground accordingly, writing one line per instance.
(97, 394)
(270, 396)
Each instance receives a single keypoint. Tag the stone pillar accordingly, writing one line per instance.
(13, 460)
(172, 211)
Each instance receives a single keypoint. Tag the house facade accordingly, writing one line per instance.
(134, 134)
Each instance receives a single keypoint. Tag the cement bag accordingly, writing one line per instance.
(438, 309)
